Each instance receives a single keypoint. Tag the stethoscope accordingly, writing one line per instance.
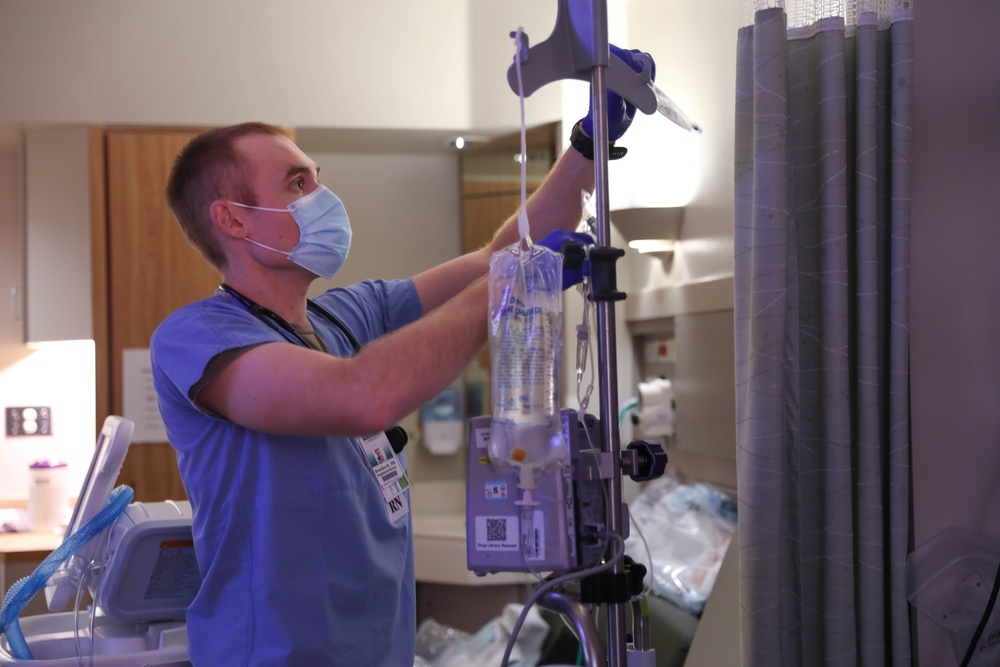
(277, 322)
(397, 434)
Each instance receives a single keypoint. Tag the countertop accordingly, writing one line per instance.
(16, 543)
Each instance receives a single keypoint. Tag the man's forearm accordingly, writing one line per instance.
(429, 353)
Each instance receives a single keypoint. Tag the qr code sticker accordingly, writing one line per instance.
(497, 533)
(496, 530)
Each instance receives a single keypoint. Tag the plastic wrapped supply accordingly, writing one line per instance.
(687, 529)
(526, 322)
(440, 646)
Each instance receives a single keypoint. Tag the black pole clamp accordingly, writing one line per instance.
(611, 588)
(603, 276)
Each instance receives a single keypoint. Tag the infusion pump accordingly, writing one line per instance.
(562, 531)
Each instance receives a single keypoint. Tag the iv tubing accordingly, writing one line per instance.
(523, 226)
(23, 590)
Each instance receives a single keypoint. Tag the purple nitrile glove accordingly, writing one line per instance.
(620, 111)
(554, 241)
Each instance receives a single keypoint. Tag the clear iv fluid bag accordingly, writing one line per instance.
(526, 332)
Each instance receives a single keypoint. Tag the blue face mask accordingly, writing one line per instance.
(324, 232)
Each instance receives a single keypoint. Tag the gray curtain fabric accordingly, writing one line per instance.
(822, 256)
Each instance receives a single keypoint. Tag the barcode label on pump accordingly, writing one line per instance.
(534, 547)
(497, 533)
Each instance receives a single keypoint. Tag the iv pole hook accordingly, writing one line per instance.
(573, 50)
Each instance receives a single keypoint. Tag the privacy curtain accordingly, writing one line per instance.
(822, 262)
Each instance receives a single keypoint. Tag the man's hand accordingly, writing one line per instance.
(620, 111)
(555, 240)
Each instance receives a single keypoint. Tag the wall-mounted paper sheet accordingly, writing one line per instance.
(139, 396)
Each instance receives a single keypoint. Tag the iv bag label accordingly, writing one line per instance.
(497, 533)
(482, 437)
(524, 364)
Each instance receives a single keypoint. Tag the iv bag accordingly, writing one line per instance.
(526, 332)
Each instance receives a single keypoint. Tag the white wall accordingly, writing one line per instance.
(491, 52)
(324, 63)
(378, 63)
(405, 212)
(59, 375)
(694, 44)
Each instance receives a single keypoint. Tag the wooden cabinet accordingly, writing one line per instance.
(20, 554)
(60, 196)
(11, 262)
(491, 181)
(148, 270)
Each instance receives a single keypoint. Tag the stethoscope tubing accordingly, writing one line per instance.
(278, 323)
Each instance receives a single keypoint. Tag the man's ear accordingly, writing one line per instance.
(226, 219)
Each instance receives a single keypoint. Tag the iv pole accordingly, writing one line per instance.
(578, 49)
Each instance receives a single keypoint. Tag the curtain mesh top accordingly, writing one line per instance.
(803, 13)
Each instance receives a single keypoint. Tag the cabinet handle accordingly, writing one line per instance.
(13, 304)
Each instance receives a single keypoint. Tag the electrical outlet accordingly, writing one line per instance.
(29, 421)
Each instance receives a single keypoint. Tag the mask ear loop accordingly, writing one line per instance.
(263, 208)
(258, 208)
(267, 247)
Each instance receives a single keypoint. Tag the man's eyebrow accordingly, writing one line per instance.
(295, 170)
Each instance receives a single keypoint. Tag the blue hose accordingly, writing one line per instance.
(627, 408)
(23, 590)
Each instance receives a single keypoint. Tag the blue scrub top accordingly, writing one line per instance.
(301, 563)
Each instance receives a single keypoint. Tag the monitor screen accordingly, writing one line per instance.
(109, 454)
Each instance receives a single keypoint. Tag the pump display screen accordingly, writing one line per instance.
(109, 454)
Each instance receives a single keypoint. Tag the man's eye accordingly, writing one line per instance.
(299, 184)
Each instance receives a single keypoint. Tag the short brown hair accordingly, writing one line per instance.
(210, 167)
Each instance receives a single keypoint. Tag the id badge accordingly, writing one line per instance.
(388, 472)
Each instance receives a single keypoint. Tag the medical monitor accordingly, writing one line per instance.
(109, 454)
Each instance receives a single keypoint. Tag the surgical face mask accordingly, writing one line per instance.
(324, 232)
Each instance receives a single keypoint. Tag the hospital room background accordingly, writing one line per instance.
(376, 92)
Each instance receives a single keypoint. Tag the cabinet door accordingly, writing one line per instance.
(11, 247)
(151, 271)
